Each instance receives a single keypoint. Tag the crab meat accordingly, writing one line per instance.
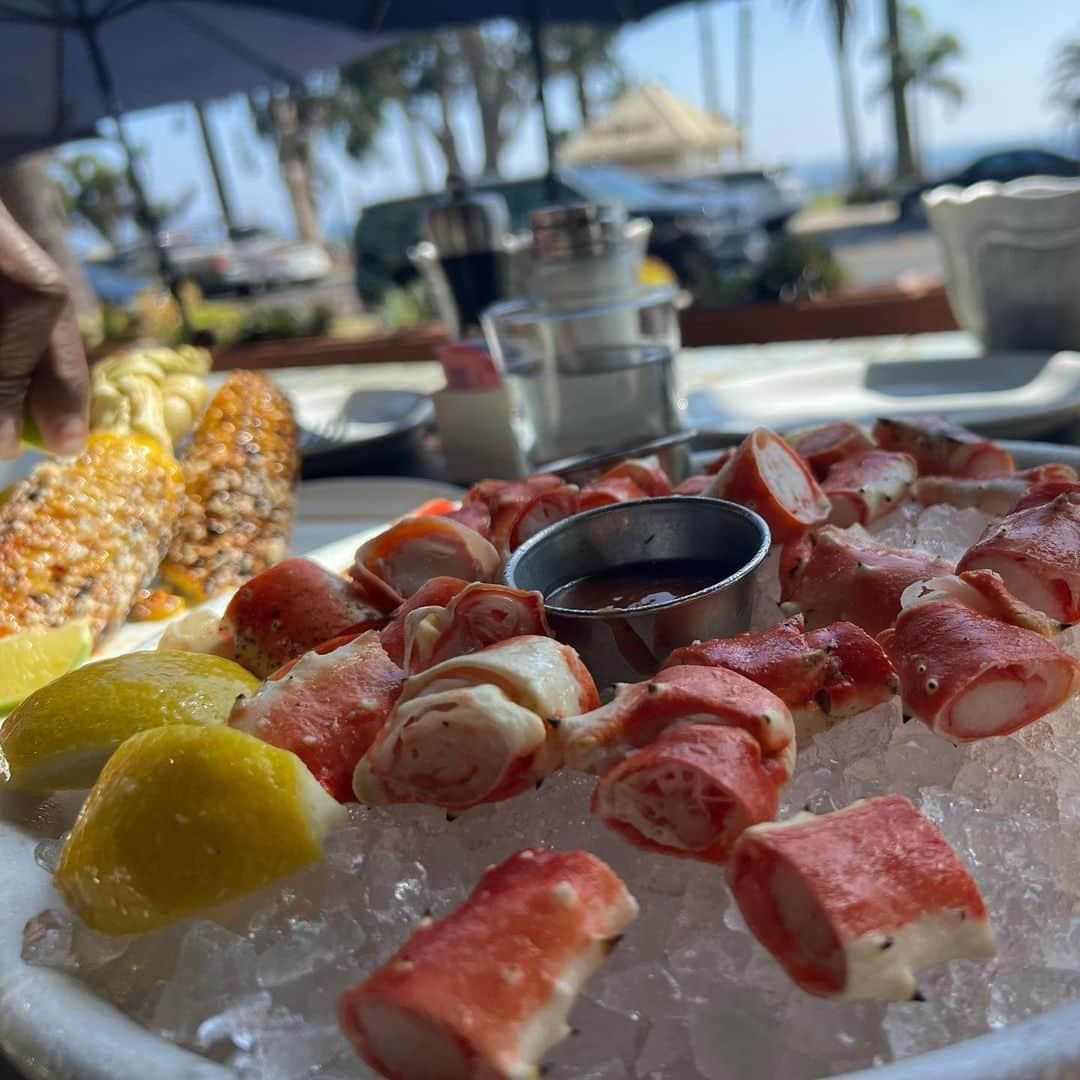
(824, 676)
(693, 485)
(641, 712)
(476, 617)
(436, 593)
(691, 792)
(867, 485)
(1044, 492)
(607, 490)
(823, 446)
(1036, 550)
(326, 707)
(516, 510)
(995, 495)
(968, 675)
(485, 992)
(477, 728)
(720, 460)
(767, 476)
(475, 515)
(414, 550)
(985, 592)
(942, 448)
(778, 658)
(835, 575)
(854, 903)
(295, 605)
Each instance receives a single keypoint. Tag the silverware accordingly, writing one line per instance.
(630, 644)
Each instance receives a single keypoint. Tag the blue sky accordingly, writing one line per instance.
(794, 118)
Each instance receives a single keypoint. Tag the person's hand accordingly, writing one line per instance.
(42, 361)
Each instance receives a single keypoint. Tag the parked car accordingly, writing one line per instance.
(695, 234)
(1002, 166)
(250, 259)
(771, 196)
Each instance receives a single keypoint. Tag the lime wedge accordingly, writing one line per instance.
(31, 659)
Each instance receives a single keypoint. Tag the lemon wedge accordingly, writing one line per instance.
(62, 734)
(184, 818)
(33, 658)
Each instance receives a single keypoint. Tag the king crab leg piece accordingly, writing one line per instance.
(414, 550)
(478, 616)
(432, 595)
(997, 495)
(767, 476)
(294, 606)
(985, 592)
(835, 575)
(1036, 550)
(641, 712)
(942, 448)
(856, 902)
(823, 446)
(868, 484)
(477, 728)
(691, 792)
(968, 675)
(486, 991)
(778, 658)
(326, 707)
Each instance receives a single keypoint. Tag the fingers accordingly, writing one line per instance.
(60, 390)
(32, 298)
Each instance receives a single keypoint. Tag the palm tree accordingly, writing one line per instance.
(924, 57)
(586, 54)
(839, 14)
(1065, 83)
(896, 85)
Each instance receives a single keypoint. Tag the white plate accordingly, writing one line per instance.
(1015, 395)
(53, 1026)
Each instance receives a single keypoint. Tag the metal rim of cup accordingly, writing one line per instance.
(748, 567)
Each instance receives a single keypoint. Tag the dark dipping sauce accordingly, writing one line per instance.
(639, 585)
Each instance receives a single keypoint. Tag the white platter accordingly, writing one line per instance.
(1010, 395)
(53, 1026)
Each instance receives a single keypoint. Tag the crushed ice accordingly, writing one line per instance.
(688, 993)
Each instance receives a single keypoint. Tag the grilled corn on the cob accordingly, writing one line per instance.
(80, 538)
(239, 471)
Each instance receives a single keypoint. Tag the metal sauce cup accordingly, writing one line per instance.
(630, 644)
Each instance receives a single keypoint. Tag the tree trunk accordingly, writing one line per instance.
(416, 150)
(30, 195)
(490, 94)
(917, 116)
(295, 169)
(856, 179)
(905, 158)
(444, 133)
(582, 92)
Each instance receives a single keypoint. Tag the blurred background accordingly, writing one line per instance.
(779, 147)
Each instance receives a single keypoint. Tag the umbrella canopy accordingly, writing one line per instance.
(650, 129)
(155, 53)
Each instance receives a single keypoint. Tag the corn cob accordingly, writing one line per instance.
(239, 473)
(81, 538)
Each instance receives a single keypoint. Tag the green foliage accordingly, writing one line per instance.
(406, 307)
(924, 54)
(795, 268)
(1065, 83)
(97, 193)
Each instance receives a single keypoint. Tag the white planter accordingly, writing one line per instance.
(1012, 259)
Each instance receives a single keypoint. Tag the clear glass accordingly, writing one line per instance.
(592, 379)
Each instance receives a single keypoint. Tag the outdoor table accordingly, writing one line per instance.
(698, 368)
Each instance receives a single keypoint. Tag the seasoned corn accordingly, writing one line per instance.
(81, 538)
(239, 472)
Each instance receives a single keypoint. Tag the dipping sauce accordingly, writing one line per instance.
(639, 585)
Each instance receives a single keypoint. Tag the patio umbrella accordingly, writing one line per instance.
(65, 64)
